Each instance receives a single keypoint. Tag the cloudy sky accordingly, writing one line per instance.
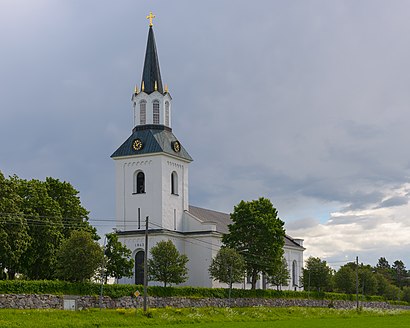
(304, 102)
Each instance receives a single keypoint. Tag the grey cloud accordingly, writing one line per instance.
(394, 201)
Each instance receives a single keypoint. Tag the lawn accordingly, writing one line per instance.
(207, 317)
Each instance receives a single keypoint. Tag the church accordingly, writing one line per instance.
(151, 177)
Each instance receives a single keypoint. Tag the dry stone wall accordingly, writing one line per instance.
(13, 301)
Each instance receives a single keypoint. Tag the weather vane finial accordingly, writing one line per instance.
(150, 17)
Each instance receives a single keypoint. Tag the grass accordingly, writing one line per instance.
(207, 317)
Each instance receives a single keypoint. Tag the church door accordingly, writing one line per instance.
(139, 268)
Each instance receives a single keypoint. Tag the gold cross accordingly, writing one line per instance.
(150, 17)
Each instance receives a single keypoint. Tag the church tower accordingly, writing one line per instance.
(151, 166)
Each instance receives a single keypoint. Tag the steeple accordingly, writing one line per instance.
(151, 76)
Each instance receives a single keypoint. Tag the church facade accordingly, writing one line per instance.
(151, 174)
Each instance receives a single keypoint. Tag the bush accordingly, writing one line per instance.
(116, 291)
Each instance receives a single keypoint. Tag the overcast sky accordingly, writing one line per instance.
(304, 102)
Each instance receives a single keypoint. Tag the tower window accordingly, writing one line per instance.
(294, 273)
(139, 182)
(167, 113)
(143, 112)
(174, 183)
(155, 112)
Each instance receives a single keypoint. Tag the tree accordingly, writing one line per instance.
(383, 267)
(44, 227)
(117, 259)
(258, 235)
(36, 217)
(399, 272)
(79, 257)
(317, 274)
(345, 279)
(227, 267)
(280, 275)
(167, 265)
(14, 238)
(367, 280)
(74, 215)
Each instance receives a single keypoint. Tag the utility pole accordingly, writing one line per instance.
(357, 283)
(146, 265)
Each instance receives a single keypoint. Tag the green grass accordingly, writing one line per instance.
(207, 317)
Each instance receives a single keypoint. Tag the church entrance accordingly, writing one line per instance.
(139, 268)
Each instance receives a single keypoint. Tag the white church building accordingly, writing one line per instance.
(151, 174)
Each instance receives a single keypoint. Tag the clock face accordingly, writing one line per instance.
(176, 146)
(137, 144)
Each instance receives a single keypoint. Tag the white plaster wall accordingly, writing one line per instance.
(200, 251)
(173, 202)
(127, 203)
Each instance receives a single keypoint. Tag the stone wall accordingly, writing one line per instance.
(83, 302)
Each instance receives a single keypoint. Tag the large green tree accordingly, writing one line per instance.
(399, 273)
(44, 220)
(118, 263)
(14, 237)
(345, 279)
(79, 257)
(74, 216)
(36, 216)
(227, 267)
(258, 235)
(317, 275)
(167, 265)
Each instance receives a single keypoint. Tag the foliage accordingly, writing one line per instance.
(258, 234)
(45, 229)
(36, 216)
(118, 263)
(345, 280)
(167, 265)
(399, 272)
(78, 257)
(74, 215)
(280, 275)
(367, 280)
(116, 291)
(228, 266)
(406, 294)
(14, 237)
(317, 274)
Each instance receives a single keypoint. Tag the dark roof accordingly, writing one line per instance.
(151, 72)
(155, 139)
(222, 220)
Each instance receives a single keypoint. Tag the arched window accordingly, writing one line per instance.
(294, 274)
(139, 268)
(167, 113)
(174, 183)
(143, 112)
(139, 182)
(155, 112)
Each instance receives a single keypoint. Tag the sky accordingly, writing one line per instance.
(304, 102)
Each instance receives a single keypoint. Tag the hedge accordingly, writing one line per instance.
(115, 291)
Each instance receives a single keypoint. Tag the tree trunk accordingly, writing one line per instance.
(254, 279)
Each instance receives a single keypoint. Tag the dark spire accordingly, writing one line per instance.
(151, 76)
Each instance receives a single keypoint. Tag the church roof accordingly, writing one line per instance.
(222, 220)
(151, 72)
(155, 139)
